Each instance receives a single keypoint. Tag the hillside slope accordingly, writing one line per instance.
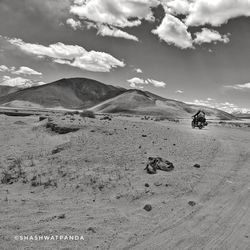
(66, 93)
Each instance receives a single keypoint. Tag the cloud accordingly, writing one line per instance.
(244, 86)
(19, 82)
(26, 71)
(156, 83)
(109, 16)
(173, 31)
(208, 36)
(225, 106)
(179, 91)
(104, 30)
(176, 7)
(138, 82)
(216, 12)
(73, 23)
(22, 70)
(119, 13)
(73, 55)
(3, 68)
(138, 70)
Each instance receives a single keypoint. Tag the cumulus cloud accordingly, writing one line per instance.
(73, 55)
(139, 82)
(109, 16)
(19, 82)
(22, 70)
(216, 12)
(156, 83)
(73, 23)
(119, 13)
(208, 36)
(176, 7)
(174, 31)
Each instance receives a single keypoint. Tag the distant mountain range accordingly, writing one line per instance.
(83, 93)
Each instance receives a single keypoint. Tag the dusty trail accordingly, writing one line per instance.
(222, 221)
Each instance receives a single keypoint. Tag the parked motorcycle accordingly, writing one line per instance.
(196, 123)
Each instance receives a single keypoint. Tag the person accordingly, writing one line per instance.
(199, 116)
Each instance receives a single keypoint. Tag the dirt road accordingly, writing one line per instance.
(96, 185)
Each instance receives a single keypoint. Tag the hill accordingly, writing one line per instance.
(5, 90)
(72, 93)
(83, 93)
(145, 103)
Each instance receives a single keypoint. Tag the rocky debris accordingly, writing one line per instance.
(158, 163)
(196, 165)
(146, 185)
(57, 150)
(61, 129)
(147, 207)
(106, 118)
(91, 229)
(191, 203)
(144, 135)
(145, 118)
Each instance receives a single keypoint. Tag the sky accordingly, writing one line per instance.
(196, 51)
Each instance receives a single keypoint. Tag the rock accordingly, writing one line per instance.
(147, 207)
(106, 118)
(20, 123)
(158, 163)
(146, 185)
(196, 165)
(61, 129)
(57, 150)
(157, 183)
(91, 229)
(144, 135)
(41, 118)
(191, 203)
(61, 216)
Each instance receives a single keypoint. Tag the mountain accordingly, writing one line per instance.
(145, 103)
(5, 90)
(72, 93)
(83, 93)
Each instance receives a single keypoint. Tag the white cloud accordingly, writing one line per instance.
(156, 83)
(26, 71)
(179, 91)
(208, 36)
(4, 68)
(137, 82)
(73, 23)
(216, 12)
(73, 55)
(239, 86)
(138, 70)
(19, 82)
(173, 31)
(225, 106)
(119, 13)
(176, 7)
(105, 30)
(22, 70)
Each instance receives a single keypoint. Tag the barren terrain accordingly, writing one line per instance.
(92, 182)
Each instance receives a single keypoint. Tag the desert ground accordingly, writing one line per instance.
(92, 182)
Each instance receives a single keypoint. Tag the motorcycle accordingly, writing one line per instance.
(198, 123)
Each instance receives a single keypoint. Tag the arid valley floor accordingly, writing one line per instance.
(92, 182)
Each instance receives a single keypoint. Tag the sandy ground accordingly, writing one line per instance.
(95, 185)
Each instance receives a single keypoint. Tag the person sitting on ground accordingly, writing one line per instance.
(199, 116)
